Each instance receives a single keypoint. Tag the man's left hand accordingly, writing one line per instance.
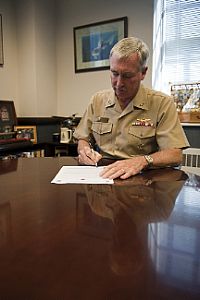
(124, 168)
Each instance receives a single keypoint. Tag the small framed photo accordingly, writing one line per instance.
(7, 116)
(28, 132)
(93, 42)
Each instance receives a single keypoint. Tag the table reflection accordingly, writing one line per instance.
(8, 165)
(174, 245)
(131, 205)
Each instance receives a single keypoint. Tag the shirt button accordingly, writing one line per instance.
(140, 146)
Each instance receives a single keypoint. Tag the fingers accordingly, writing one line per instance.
(88, 156)
(113, 173)
(98, 156)
(121, 170)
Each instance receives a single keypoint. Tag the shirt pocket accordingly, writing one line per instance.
(142, 132)
(102, 132)
(144, 137)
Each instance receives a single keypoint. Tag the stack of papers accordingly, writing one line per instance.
(80, 175)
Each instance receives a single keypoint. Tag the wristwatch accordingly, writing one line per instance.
(149, 160)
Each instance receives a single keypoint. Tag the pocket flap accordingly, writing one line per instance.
(142, 132)
(101, 128)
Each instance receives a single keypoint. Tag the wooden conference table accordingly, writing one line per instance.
(136, 239)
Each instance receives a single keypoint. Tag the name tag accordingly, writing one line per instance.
(102, 119)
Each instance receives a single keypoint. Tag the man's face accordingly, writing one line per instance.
(126, 76)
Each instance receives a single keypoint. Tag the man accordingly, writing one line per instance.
(137, 126)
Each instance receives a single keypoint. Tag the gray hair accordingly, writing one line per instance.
(127, 46)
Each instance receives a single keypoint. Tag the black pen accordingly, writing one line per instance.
(92, 150)
(94, 154)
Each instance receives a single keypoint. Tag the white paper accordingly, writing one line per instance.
(80, 175)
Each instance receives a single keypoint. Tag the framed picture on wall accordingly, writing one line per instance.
(1, 41)
(93, 42)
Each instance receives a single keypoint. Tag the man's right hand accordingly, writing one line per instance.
(87, 155)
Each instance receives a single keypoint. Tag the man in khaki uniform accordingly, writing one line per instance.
(137, 126)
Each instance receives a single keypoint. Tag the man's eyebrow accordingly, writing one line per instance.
(122, 73)
(112, 70)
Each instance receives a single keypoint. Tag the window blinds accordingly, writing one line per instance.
(176, 43)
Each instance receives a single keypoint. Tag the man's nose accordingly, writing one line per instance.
(120, 80)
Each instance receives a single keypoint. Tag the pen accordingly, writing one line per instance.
(94, 153)
(92, 150)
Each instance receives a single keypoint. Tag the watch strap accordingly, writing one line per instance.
(149, 160)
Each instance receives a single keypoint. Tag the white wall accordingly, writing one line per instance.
(35, 21)
(38, 73)
(9, 71)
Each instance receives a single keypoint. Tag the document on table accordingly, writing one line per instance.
(80, 175)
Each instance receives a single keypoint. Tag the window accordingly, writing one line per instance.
(176, 43)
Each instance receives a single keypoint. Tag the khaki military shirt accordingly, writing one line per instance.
(148, 124)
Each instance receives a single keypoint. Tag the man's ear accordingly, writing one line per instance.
(144, 71)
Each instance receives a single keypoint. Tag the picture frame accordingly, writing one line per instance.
(29, 132)
(93, 42)
(8, 117)
(1, 42)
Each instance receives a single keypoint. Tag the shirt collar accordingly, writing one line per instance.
(140, 100)
(111, 100)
